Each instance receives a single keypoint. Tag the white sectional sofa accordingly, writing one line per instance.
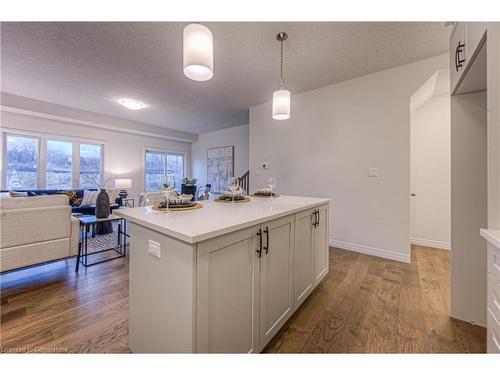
(35, 230)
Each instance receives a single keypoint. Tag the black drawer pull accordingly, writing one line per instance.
(266, 231)
(259, 250)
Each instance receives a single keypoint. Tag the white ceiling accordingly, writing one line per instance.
(91, 65)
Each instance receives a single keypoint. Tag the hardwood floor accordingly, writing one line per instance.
(366, 304)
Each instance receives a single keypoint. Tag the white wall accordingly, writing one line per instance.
(236, 136)
(468, 206)
(334, 135)
(123, 152)
(430, 209)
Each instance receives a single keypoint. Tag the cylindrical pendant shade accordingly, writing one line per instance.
(198, 52)
(281, 105)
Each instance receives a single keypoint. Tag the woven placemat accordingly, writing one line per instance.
(265, 196)
(231, 201)
(194, 207)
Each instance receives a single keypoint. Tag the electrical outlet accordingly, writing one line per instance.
(154, 248)
(372, 172)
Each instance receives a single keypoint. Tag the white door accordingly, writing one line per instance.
(302, 254)
(320, 245)
(430, 166)
(228, 293)
(276, 276)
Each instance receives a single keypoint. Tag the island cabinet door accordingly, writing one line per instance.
(302, 254)
(227, 293)
(276, 263)
(320, 245)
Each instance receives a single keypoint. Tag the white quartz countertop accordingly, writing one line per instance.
(492, 236)
(216, 218)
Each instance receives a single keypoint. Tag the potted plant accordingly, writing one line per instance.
(189, 186)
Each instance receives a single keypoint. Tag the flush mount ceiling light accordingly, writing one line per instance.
(281, 97)
(198, 44)
(132, 104)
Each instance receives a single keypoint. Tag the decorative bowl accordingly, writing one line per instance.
(179, 199)
(265, 192)
(240, 193)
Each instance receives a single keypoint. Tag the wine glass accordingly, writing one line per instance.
(233, 183)
(168, 187)
(272, 182)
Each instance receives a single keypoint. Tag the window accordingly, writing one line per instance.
(21, 162)
(46, 163)
(58, 172)
(90, 165)
(159, 164)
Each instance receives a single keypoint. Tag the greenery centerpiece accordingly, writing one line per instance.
(189, 186)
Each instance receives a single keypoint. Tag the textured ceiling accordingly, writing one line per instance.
(90, 65)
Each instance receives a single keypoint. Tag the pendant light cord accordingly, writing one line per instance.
(282, 81)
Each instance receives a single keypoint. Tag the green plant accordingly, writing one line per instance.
(190, 181)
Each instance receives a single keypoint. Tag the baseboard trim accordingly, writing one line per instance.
(431, 243)
(406, 258)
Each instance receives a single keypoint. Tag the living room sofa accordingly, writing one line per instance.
(36, 230)
(75, 198)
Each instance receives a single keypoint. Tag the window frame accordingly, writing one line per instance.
(42, 155)
(161, 151)
(4, 156)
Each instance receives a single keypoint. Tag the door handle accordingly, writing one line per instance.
(458, 51)
(314, 219)
(317, 221)
(259, 250)
(413, 194)
(266, 231)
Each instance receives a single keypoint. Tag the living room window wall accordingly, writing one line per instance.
(162, 163)
(45, 162)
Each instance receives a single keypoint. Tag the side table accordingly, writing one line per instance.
(88, 221)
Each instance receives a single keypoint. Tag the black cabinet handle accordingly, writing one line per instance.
(259, 251)
(316, 218)
(458, 62)
(266, 231)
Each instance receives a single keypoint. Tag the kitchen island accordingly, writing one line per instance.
(223, 278)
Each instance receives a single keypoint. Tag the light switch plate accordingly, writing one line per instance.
(372, 172)
(154, 248)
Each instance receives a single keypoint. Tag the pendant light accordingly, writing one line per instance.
(198, 56)
(281, 97)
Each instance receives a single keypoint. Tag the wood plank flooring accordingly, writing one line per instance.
(365, 305)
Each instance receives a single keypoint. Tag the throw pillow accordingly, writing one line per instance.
(112, 193)
(74, 201)
(16, 194)
(89, 197)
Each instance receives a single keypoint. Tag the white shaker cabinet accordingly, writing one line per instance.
(466, 40)
(303, 256)
(493, 290)
(276, 276)
(320, 245)
(228, 293)
(493, 317)
(458, 57)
